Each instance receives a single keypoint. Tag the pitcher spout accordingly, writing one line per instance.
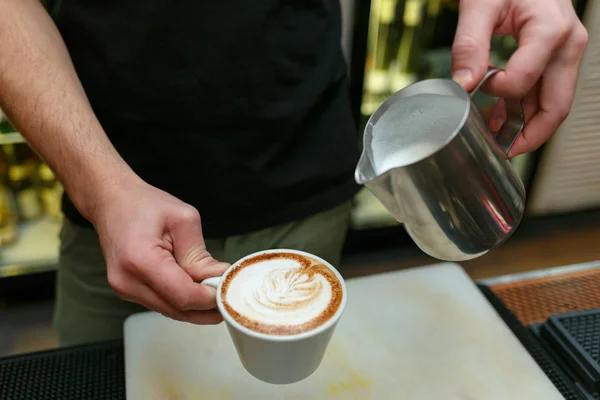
(364, 172)
(381, 186)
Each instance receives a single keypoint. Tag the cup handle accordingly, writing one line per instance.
(214, 282)
(514, 116)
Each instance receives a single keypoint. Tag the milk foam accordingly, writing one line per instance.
(413, 129)
(279, 292)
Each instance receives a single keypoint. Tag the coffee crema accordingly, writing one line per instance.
(281, 293)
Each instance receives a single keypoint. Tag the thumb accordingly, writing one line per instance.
(189, 248)
(471, 48)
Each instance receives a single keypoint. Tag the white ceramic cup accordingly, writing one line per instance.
(280, 359)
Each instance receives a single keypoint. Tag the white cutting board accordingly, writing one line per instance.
(420, 334)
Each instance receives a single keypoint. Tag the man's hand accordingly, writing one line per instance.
(543, 70)
(152, 242)
(155, 252)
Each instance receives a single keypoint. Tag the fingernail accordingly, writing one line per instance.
(211, 291)
(463, 77)
(495, 124)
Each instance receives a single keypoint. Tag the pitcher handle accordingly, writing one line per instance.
(514, 116)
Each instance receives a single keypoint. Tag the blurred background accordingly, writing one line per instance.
(388, 44)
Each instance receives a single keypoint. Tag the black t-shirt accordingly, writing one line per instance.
(239, 108)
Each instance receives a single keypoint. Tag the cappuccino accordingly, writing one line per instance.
(281, 293)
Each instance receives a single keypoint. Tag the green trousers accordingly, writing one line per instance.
(87, 309)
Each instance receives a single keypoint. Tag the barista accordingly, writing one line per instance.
(154, 113)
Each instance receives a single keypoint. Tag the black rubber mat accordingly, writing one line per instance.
(585, 393)
(94, 372)
(559, 378)
(575, 337)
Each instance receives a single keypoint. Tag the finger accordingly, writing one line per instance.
(158, 269)
(537, 44)
(189, 247)
(530, 107)
(209, 317)
(151, 300)
(471, 47)
(497, 116)
(130, 289)
(530, 102)
(556, 96)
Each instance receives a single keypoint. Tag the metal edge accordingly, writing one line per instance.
(542, 273)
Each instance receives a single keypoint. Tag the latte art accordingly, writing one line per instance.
(286, 290)
(281, 293)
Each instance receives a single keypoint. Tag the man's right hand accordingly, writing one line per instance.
(542, 71)
(152, 242)
(155, 252)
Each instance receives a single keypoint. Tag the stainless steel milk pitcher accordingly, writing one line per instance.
(431, 160)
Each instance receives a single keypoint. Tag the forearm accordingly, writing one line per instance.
(44, 99)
